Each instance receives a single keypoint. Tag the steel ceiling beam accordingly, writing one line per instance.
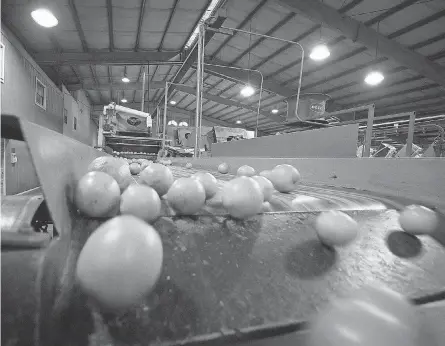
(263, 105)
(382, 59)
(370, 22)
(261, 39)
(79, 29)
(135, 86)
(357, 31)
(386, 86)
(388, 95)
(227, 102)
(204, 10)
(101, 58)
(110, 24)
(356, 83)
(245, 76)
(191, 59)
(239, 26)
(301, 37)
(167, 25)
(140, 21)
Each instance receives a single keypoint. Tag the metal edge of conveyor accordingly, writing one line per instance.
(58, 160)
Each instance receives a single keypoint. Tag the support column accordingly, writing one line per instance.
(164, 130)
(158, 111)
(143, 91)
(100, 131)
(409, 140)
(368, 134)
(199, 81)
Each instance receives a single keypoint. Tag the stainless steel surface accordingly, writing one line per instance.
(17, 213)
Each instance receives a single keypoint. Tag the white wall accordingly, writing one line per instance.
(78, 106)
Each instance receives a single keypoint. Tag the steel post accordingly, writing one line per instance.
(368, 134)
(199, 81)
(164, 129)
(143, 92)
(409, 140)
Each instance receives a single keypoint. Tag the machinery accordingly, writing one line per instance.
(127, 132)
(224, 282)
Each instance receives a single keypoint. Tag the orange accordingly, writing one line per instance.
(284, 178)
(120, 263)
(187, 196)
(114, 167)
(245, 171)
(242, 197)
(335, 228)
(158, 176)
(266, 186)
(417, 219)
(223, 168)
(208, 181)
(141, 201)
(135, 168)
(97, 194)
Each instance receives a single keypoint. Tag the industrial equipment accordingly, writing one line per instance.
(224, 281)
(127, 132)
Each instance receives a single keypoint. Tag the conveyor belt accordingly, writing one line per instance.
(219, 275)
(306, 198)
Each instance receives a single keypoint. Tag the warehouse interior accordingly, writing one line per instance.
(349, 93)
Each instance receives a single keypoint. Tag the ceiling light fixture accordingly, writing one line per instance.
(238, 121)
(320, 52)
(274, 111)
(125, 79)
(44, 17)
(172, 123)
(124, 101)
(374, 78)
(183, 123)
(173, 102)
(247, 91)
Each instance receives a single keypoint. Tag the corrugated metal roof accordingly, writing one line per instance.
(166, 25)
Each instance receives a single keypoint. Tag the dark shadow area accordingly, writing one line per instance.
(309, 259)
(167, 313)
(404, 245)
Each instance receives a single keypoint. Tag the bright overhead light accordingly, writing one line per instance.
(247, 91)
(238, 121)
(274, 111)
(320, 52)
(125, 79)
(172, 123)
(124, 101)
(183, 123)
(374, 78)
(173, 102)
(44, 18)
